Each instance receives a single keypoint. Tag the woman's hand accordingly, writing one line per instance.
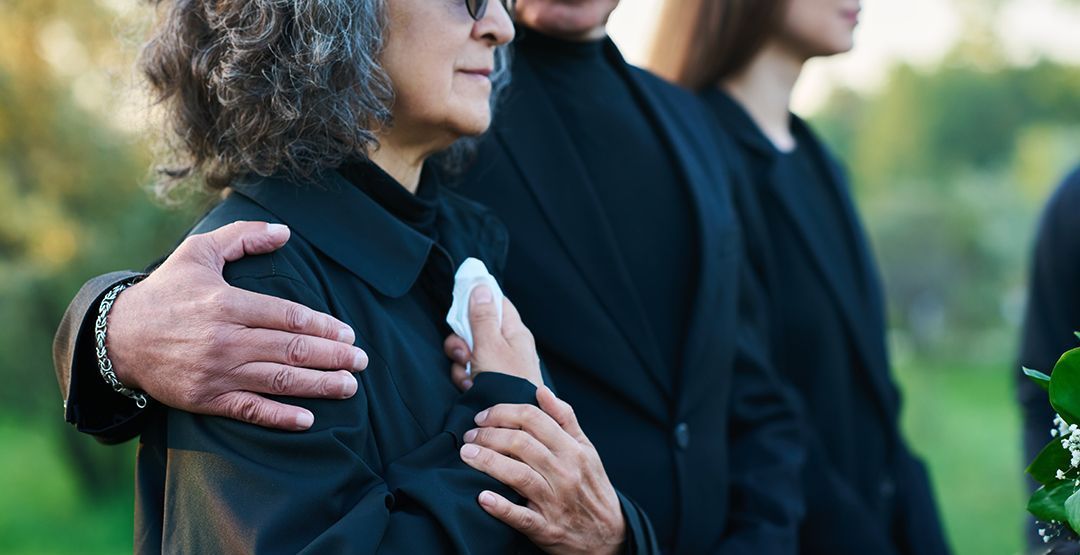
(571, 507)
(508, 348)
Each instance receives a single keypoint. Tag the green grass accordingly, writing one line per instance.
(42, 511)
(963, 420)
(965, 423)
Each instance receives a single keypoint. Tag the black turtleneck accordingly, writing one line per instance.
(633, 175)
(418, 211)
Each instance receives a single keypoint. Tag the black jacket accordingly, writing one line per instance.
(1053, 312)
(866, 493)
(379, 472)
(713, 459)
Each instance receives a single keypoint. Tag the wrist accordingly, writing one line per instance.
(119, 332)
(105, 350)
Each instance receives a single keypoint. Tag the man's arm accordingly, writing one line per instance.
(193, 342)
(111, 417)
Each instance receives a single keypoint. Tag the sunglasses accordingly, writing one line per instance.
(478, 8)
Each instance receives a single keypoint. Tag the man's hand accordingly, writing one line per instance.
(543, 454)
(195, 343)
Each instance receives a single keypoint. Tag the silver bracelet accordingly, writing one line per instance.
(104, 364)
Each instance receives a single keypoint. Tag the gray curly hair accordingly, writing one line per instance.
(272, 87)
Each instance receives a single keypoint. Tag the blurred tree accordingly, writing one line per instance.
(70, 201)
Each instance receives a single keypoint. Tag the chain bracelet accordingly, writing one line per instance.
(104, 363)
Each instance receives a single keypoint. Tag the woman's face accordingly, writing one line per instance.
(814, 28)
(439, 60)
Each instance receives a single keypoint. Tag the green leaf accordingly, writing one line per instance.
(1052, 458)
(1040, 379)
(1077, 334)
(1048, 502)
(1072, 510)
(1065, 386)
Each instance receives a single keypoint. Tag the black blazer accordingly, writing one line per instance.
(379, 472)
(713, 460)
(866, 493)
(1053, 313)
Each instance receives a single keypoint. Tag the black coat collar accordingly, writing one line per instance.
(348, 226)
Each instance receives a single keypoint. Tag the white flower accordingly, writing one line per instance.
(1060, 475)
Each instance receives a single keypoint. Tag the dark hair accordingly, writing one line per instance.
(698, 43)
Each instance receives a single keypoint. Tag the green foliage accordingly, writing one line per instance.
(1040, 379)
(1065, 389)
(1059, 497)
(1045, 466)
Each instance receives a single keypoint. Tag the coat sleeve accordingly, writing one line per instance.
(767, 446)
(89, 403)
(1053, 314)
(232, 487)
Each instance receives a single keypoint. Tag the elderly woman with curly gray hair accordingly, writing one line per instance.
(320, 117)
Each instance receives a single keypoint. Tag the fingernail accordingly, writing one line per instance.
(481, 417)
(277, 229)
(348, 386)
(459, 355)
(467, 384)
(482, 294)
(346, 335)
(304, 420)
(470, 451)
(487, 498)
(360, 360)
(470, 436)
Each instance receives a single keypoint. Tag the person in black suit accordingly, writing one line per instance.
(627, 263)
(374, 242)
(1052, 318)
(866, 491)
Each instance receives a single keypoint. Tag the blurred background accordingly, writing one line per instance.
(956, 119)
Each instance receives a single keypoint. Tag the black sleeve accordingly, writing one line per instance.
(767, 446)
(640, 536)
(1053, 312)
(233, 487)
(90, 403)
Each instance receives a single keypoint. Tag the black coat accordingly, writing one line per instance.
(866, 492)
(378, 472)
(1053, 312)
(713, 459)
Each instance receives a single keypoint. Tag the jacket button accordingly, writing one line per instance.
(682, 435)
(888, 488)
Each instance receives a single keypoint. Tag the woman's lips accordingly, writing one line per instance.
(485, 73)
(851, 16)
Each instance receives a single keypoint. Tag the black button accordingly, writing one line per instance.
(682, 435)
(888, 488)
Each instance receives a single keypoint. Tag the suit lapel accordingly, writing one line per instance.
(715, 228)
(541, 148)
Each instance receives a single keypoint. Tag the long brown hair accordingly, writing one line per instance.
(701, 42)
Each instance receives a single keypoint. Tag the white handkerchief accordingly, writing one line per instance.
(471, 273)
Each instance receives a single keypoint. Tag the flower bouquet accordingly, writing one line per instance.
(1057, 466)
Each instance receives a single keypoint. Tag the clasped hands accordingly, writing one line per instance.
(540, 452)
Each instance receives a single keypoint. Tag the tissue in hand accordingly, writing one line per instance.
(471, 273)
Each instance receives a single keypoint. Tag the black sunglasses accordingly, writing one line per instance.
(478, 8)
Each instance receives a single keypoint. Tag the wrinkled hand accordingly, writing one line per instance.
(543, 454)
(508, 348)
(195, 343)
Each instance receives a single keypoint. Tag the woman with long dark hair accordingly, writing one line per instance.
(866, 492)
